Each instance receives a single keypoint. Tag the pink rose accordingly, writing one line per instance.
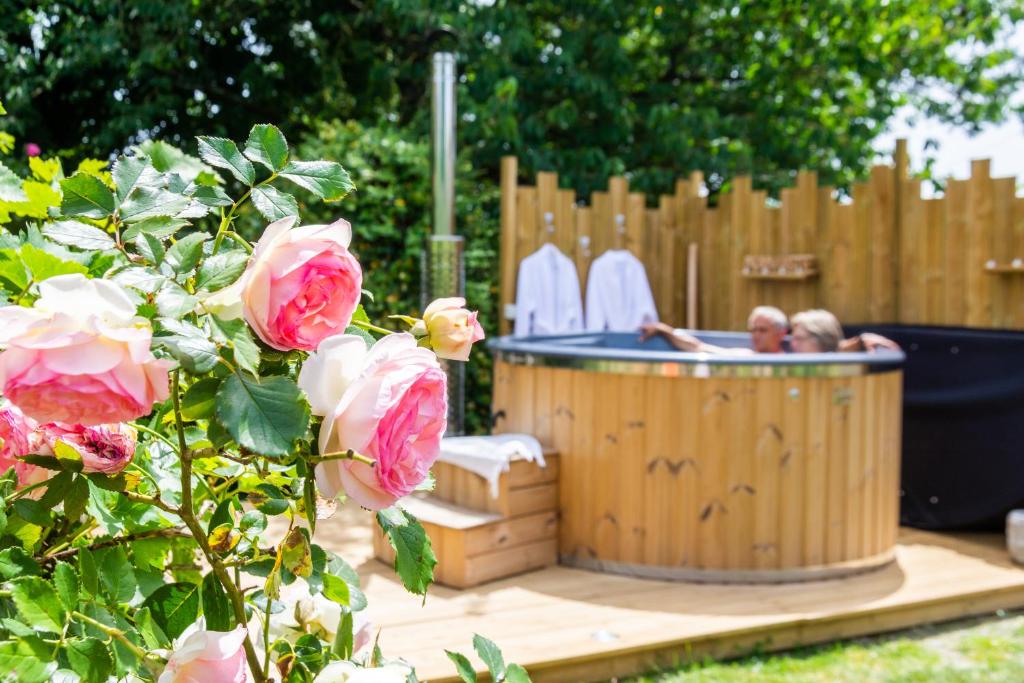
(32, 150)
(208, 657)
(18, 437)
(81, 355)
(451, 329)
(301, 285)
(389, 403)
(104, 448)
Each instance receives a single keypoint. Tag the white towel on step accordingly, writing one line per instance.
(489, 456)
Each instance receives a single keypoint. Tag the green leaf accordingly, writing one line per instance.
(216, 606)
(17, 628)
(66, 581)
(10, 186)
(236, 334)
(184, 255)
(57, 486)
(86, 195)
(221, 270)
(90, 659)
(252, 522)
(76, 498)
(117, 574)
(151, 248)
(462, 666)
(266, 145)
(142, 279)
(491, 655)
(198, 401)
(33, 511)
(326, 179)
(211, 196)
(14, 275)
(30, 657)
(309, 501)
(268, 499)
(343, 570)
(296, 554)
(131, 171)
(516, 674)
(152, 634)
(38, 604)
(174, 607)
(195, 352)
(336, 589)
(274, 204)
(44, 266)
(265, 415)
(151, 202)
(157, 226)
(15, 562)
(174, 302)
(223, 153)
(75, 234)
(414, 558)
(344, 637)
(87, 570)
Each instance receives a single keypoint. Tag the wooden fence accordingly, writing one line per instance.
(886, 256)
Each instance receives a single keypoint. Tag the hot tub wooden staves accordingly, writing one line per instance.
(716, 478)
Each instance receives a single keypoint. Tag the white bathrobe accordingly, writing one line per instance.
(619, 297)
(548, 294)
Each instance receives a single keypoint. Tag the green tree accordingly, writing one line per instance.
(589, 87)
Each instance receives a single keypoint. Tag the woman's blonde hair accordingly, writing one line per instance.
(822, 326)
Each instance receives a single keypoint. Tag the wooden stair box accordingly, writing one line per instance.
(524, 489)
(514, 533)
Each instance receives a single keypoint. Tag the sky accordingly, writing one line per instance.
(1003, 143)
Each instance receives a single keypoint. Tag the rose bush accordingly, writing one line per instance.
(167, 388)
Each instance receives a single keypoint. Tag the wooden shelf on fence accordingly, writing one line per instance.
(1015, 267)
(790, 267)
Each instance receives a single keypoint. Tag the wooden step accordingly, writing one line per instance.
(526, 488)
(473, 547)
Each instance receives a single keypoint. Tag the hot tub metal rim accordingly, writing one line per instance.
(519, 351)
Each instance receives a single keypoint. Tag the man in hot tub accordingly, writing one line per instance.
(814, 331)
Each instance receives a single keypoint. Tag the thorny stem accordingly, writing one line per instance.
(188, 516)
(152, 533)
(344, 455)
(119, 635)
(370, 326)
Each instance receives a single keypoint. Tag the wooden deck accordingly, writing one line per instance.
(573, 625)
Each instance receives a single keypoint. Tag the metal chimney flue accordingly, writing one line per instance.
(442, 267)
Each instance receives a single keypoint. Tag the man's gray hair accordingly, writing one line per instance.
(777, 317)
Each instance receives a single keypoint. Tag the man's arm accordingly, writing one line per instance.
(684, 341)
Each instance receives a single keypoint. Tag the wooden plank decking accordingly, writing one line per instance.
(572, 625)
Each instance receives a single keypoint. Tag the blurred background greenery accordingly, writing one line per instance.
(589, 88)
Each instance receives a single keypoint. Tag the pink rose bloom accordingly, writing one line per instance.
(301, 285)
(105, 448)
(32, 150)
(389, 403)
(18, 437)
(451, 329)
(208, 657)
(81, 355)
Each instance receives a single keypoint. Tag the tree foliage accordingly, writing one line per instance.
(590, 87)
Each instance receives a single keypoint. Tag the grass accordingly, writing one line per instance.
(985, 650)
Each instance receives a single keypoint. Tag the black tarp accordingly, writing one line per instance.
(963, 425)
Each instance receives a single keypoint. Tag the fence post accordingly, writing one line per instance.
(509, 260)
(901, 164)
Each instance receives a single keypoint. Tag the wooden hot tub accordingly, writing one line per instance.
(766, 468)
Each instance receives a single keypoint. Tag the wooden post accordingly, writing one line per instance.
(901, 163)
(508, 258)
(691, 285)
